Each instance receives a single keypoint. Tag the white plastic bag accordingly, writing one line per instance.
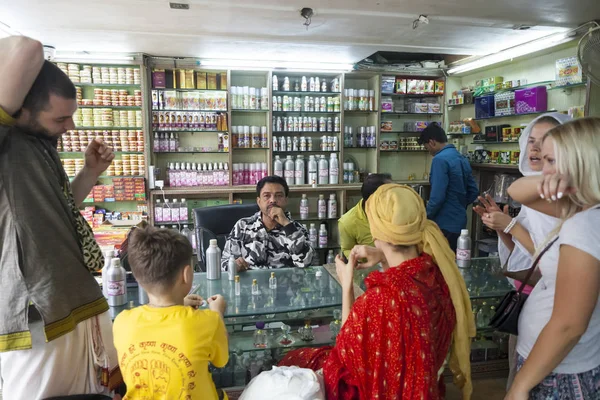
(285, 383)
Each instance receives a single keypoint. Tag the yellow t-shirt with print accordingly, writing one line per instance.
(164, 352)
(6, 119)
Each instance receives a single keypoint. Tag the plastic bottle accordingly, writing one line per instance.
(255, 289)
(313, 236)
(172, 143)
(323, 236)
(288, 170)
(317, 84)
(158, 211)
(213, 261)
(186, 232)
(463, 249)
(275, 83)
(282, 144)
(321, 207)
(183, 211)
(299, 171)
(175, 211)
(260, 336)
(238, 286)
(156, 143)
(304, 84)
(166, 212)
(108, 255)
(332, 206)
(164, 142)
(117, 286)
(323, 171)
(330, 257)
(231, 268)
(334, 170)
(272, 281)
(304, 207)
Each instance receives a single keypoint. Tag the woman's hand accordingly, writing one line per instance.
(488, 205)
(345, 271)
(367, 256)
(553, 187)
(496, 220)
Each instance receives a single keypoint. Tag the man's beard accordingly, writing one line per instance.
(34, 127)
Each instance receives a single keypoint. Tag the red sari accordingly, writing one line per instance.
(394, 341)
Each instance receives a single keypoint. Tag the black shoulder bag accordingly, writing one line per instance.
(506, 318)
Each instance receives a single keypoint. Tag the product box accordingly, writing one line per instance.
(387, 104)
(400, 86)
(491, 133)
(504, 157)
(387, 84)
(412, 86)
(531, 100)
(433, 108)
(484, 107)
(429, 87)
(568, 72)
(504, 103)
(222, 83)
(158, 78)
(439, 87)
(201, 82)
(211, 80)
(514, 157)
(386, 126)
(190, 81)
(384, 145)
(420, 108)
(393, 145)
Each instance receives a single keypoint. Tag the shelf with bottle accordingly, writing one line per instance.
(244, 341)
(359, 112)
(305, 112)
(399, 114)
(187, 130)
(359, 101)
(112, 107)
(107, 85)
(168, 212)
(108, 128)
(514, 115)
(305, 144)
(306, 93)
(319, 170)
(403, 151)
(197, 175)
(305, 152)
(80, 153)
(413, 95)
(495, 142)
(306, 133)
(303, 85)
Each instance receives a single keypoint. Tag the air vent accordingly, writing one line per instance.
(179, 6)
(521, 27)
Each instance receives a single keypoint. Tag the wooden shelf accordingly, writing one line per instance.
(511, 167)
(407, 113)
(514, 115)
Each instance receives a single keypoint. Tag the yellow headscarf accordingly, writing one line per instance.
(397, 215)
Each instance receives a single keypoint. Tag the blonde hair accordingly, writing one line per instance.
(577, 153)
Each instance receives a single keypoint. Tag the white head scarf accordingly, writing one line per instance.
(537, 224)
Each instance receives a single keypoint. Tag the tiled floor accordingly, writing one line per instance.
(483, 389)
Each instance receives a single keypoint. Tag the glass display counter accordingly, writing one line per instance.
(311, 297)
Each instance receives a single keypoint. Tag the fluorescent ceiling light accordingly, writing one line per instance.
(513, 52)
(92, 57)
(289, 65)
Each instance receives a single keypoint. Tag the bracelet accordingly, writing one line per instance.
(511, 225)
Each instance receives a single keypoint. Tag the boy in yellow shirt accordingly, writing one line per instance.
(165, 347)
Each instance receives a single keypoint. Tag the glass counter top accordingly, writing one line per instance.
(298, 289)
(484, 278)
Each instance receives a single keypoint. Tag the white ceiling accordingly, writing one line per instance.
(342, 30)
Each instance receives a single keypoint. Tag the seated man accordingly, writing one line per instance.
(353, 226)
(268, 239)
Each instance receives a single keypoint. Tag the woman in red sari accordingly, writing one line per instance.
(396, 337)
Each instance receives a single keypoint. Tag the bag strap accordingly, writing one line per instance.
(535, 263)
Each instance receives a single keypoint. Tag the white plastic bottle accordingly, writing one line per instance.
(175, 211)
(313, 173)
(313, 236)
(323, 171)
(213, 261)
(334, 170)
(332, 206)
(323, 236)
(158, 211)
(304, 207)
(278, 167)
(183, 211)
(299, 171)
(288, 170)
(186, 232)
(321, 207)
(166, 212)
(463, 249)
(108, 255)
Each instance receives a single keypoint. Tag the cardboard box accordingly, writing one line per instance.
(531, 100)
(484, 107)
(211, 80)
(201, 80)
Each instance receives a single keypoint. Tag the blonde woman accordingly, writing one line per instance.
(559, 327)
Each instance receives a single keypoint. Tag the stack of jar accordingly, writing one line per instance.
(304, 143)
(193, 175)
(129, 165)
(189, 120)
(311, 84)
(72, 166)
(112, 97)
(306, 124)
(409, 143)
(107, 117)
(248, 173)
(310, 104)
(318, 170)
(78, 141)
(365, 137)
(249, 98)
(359, 100)
(249, 137)
(101, 75)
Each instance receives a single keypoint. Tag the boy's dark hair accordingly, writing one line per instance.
(272, 179)
(433, 131)
(372, 183)
(50, 80)
(156, 256)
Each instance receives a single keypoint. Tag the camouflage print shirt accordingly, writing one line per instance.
(282, 247)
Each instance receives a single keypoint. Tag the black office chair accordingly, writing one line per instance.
(216, 223)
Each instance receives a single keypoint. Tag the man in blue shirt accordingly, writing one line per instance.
(452, 185)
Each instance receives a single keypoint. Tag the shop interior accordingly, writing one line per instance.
(201, 99)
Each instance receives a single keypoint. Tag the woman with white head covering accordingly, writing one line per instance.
(522, 235)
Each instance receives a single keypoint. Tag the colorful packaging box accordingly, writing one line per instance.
(531, 100)
(484, 107)
(439, 87)
(400, 86)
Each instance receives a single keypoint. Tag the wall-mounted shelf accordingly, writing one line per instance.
(514, 115)
(511, 167)
(283, 93)
(407, 113)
